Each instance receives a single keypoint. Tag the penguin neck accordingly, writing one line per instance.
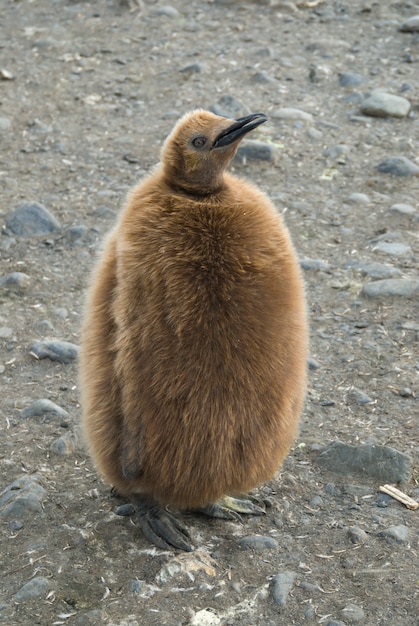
(203, 184)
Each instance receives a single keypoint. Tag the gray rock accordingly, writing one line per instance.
(292, 114)
(380, 462)
(398, 166)
(62, 351)
(16, 282)
(91, 618)
(315, 264)
(228, 106)
(31, 219)
(405, 392)
(5, 123)
(403, 209)
(258, 542)
(381, 104)
(24, 505)
(393, 248)
(22, 485)
(35, 588)
(402, 288)
(360, 397)
(353, 613)
(136, 586)
(335, 622)
(65, 445)
(359, 198)
(43, 407)
(395, 534)
(337, 153)
(192, 68)
(411, 25)
(281, 585)
(349, 79)
(313, 364)
(263, 77)
(167, 11)
(254, 149)
(375, 270)
(357, 535)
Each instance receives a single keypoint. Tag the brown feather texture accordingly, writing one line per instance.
(194, 341)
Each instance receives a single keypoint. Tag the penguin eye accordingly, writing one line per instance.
(199, 142)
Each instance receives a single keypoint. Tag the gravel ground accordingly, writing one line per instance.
(88, 92)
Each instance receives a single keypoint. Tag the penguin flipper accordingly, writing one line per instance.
(231, 508)
(161, 527)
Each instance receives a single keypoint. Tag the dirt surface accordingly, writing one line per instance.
(88, 92)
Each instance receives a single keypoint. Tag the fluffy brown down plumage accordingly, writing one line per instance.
(194, 341)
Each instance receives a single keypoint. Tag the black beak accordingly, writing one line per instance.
(236, 131)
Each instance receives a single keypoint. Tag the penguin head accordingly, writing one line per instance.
(201, 146)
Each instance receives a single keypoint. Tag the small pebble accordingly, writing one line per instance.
(393, 248)
(381, 104)
(398, 166)
(281, 585)
(136, 586)
(315, 264)
(61, 351)
(402, 288)
(5, 123)
(395, 534)
(292, 114)
(357, 535)
(403, 209)
(258, 542)
(65, 445)
(16, 281)
(360, 397)
(35, 588)
(263, 77)
(349, 79)
(228, 106)
(406, 392)
(353, 613)
(337, 153)
(43, 407)
(31, 219)
(313, 364)
(192, 68)
(380, 462)
(373, 269)
(167, 11)
(359, 198)
(411, 25)
(260, 150)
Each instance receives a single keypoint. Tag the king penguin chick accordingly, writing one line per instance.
(194, 342)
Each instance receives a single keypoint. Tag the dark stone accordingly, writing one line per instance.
(228, 106)
(258, 542)
(62, 351)
(253, 149)
(374, 461)
(348, 79)
(398, 166)
(281, 585)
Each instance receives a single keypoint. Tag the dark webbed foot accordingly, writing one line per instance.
(231, 508)
(161, 527)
